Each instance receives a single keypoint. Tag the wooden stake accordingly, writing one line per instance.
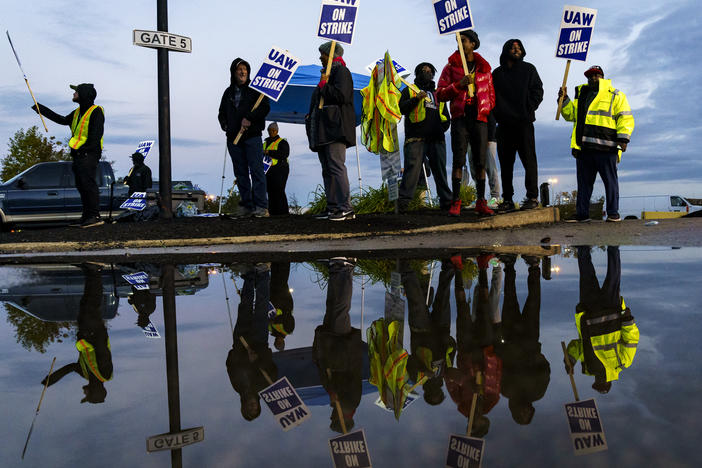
(242, 129)
(265, 374)
(414, 88)
(570, 368)
(36, 413)
(563, 87)
(338, 408)
(463, 61)
(329, 65)
(473, 404)
(36, 104)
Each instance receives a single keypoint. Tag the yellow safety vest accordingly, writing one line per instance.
(88, 361)
(608, 118)
(273, 146)
(419, 113)
(79, 128)
(276, 325)
(616, 350)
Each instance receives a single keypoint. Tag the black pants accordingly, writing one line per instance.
(276, 178)
(513, 138)
(84, 169)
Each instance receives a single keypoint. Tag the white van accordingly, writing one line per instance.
(655, 206)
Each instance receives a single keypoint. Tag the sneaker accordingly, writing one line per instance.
(529, 204)
(243, 212)
(575, 219)
(506, 206)
(342, 215)
(455, 209)
(323, 215)
(260, 212)
(471, 206)
(614, 219)
(493, 203)
(91, 222)
(482, 209)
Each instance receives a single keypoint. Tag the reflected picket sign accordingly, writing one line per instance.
(139, 280)
(175, 440)
(586, 430)
(150, 331)
(350, 450)
(337, 20)
(285, 404)
(465, 452)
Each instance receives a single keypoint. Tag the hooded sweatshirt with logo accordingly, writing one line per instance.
(518, 89)
(237, 102)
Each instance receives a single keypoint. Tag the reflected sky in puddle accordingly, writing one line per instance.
(493, 327)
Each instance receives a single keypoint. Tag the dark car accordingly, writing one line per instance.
(46, 194)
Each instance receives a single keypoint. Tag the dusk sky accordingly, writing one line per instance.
(646, 47)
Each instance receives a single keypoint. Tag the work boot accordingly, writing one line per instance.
(482, 209)
(455, 209)
(506, 206)
(260, 212)
(529, 204)
(243, 212)
(92, 222)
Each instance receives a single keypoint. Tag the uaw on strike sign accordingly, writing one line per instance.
(452, 16)
(275, 73)
(577, 24)
(337, 20)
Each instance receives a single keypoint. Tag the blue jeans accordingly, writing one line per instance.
(247, 159)
(590, 163)
(414, 157)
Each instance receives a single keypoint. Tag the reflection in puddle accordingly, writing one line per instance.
(410, 351)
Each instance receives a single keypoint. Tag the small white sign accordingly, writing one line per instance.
(586, 430)
(285, 404)
(150, 331)
(162, 40)
(402, 71)
(139, 280)
(145, 146)
(175, 440)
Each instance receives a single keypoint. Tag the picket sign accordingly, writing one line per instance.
(577, 24)
(466, 451)
(452, 17)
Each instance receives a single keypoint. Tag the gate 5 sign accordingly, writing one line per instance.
(337, 20)
(453, 16)
(577, 24)
(162, 40)
(275, 73)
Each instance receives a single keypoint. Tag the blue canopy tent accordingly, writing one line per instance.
(295, 101)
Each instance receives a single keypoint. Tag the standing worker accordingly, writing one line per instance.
(87, 124)
(602, 128)
(469, 114)
(518, 93)
(278, 150)
(332, 129)
(236, 112)
(139, 177)
(425, 125)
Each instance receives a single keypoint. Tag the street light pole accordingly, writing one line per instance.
(164, 116)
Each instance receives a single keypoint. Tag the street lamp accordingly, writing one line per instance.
(552, 182)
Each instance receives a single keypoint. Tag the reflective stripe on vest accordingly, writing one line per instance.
(79, 128)
(273, 146)
(418, 114)
(88, 362)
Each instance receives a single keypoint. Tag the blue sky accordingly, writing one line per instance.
(649, 49)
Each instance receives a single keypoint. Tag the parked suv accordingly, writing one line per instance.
(46, 193)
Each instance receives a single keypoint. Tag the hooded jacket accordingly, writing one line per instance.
(518, 89)
(96, 127)
(448, 88)
(435, 123)
(230, 115)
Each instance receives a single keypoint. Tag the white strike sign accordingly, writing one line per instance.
(275, 73)
(337, 20)
(402, 71)
(586, 430)
(453, 16)
(144, 147)
(574, 37)
(285, 404)
(135, 202)
(162, 40)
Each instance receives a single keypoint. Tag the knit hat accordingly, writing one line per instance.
(326, 48)
(594, 70)
(473, 36)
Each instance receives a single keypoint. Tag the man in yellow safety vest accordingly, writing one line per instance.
(87, 124)
(275, 152)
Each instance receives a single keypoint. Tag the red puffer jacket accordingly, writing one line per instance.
(448, 88)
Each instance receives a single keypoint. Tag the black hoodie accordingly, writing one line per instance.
(518, 89)
(96, 127)
(230, 115)
(431, 128)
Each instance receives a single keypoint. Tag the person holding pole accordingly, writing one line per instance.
(332, 128)
(472, 98)
(139, 177)
(237, 112)
(278, 150)
(518, 93)
(602, 127)
(425, 125)
(87, 124)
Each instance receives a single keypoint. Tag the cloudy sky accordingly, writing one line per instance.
(646, 47)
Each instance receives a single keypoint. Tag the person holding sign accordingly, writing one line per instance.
(608, 336)
(602, 127)
(236, 112)
(518, 93)
(332, 129)
(282, 323)
(139, 177)
(425, 125)
(278, 150)
(87, 124)
(472, 98)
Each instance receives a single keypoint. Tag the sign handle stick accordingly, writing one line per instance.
(563, 87)
(421, 382)
(338, 407)
(242, 130)
(463, 60)
(36, 413)
(570, 371)
(329, 65)
(36, 104)
(473, 404)
(221, 188)
(414, 88)
(265, 374)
